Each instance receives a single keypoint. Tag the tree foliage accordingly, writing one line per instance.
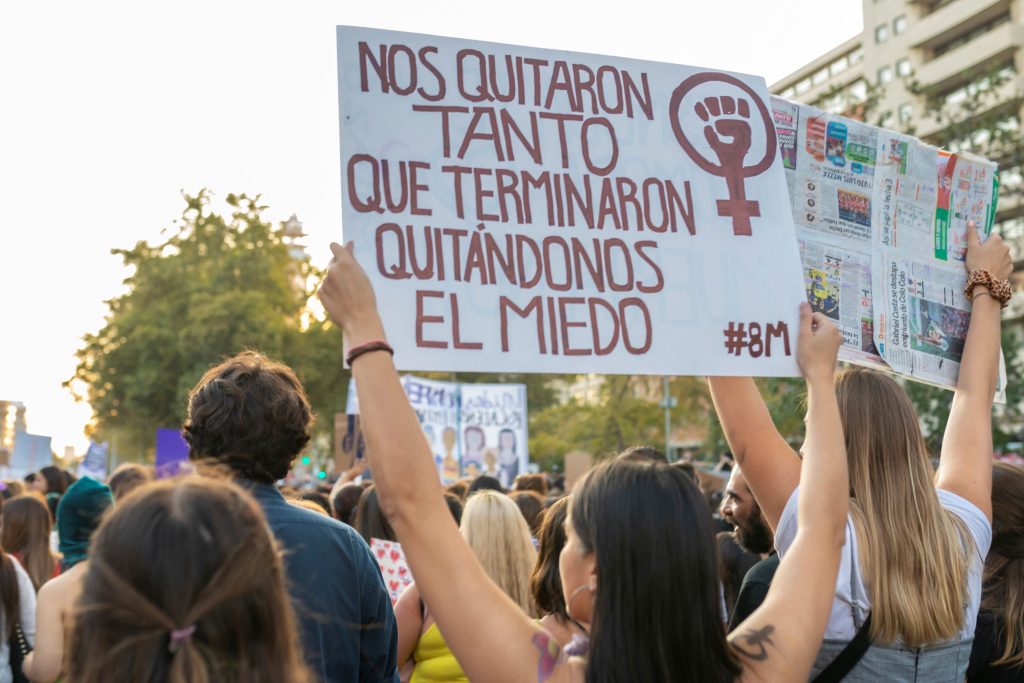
(218, 285)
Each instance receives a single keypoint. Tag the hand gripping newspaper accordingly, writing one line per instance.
(881, 221)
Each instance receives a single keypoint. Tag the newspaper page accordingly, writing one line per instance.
(926, 198)
(830, 170)
(881, 221)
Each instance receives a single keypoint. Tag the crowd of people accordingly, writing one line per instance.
(850, 559)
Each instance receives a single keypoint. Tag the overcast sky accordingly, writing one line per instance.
(110, 109)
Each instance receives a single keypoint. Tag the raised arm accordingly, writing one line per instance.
(478, 614)
(965, 467)
(779, 641)
(770, 466)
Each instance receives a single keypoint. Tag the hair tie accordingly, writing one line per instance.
(179, 636)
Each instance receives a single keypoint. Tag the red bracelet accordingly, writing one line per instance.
(375, 345)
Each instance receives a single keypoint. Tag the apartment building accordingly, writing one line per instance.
(951, 49)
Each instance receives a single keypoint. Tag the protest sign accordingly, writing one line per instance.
(494, 431)
(349, 442)
(882, 224)
(94, 464)
(31, 453)
(393, 567)
(576, 465)
(471, 429)
(530, 210)
(171, 453)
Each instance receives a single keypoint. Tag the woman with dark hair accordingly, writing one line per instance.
(371, 522)
(546, 581)
(639, 560)
(51, 479)
(78, 516)
(998, 651)
(185, 583)
(25, 534)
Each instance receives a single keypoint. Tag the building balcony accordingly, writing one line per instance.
(993, 46)
(1014, 87)
(955, 18)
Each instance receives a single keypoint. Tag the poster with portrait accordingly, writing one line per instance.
(494, 431)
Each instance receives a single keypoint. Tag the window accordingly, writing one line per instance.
(903, 67)
(906, 112)
(882, 33)
(857, 55)
(884, 75)
(973, 35)
(803, 86)
(820, 77)
(899, 25)
(788, 93)
(840, 65)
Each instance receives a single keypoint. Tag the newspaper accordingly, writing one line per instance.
(882, 225)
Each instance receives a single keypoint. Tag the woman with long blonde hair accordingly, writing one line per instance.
(910, 574)
(25, 534)
(998, 653)
(496, 532)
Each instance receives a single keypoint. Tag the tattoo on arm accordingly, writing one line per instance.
(550, 655)
(755, 642)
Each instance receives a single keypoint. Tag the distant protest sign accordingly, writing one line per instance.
(31, 453)
(94, 464)
(171, 453)
(493, 420)
(529, 210)
(471, 429)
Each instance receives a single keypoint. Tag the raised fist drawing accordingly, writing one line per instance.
(728, 129)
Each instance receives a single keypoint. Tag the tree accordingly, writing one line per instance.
(217, 286)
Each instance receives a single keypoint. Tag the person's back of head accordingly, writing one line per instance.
(321, 500)
(484, 482)
(185, 583)
(344, 503)
(458, 489)
(653, 604)
(128, 477)
(531, 506)
(909, 543)
(371, 522)
(454, 504)
(497, 534)
(538, 483)
(250, 414)
(56, 479)
(642, 454)
(26, 531)
(12, 488)
(546, 581)
(1004, 567)
(79, 514)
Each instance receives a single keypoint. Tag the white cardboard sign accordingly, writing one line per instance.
(530, 210)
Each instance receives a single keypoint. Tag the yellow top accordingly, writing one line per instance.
(435, 663)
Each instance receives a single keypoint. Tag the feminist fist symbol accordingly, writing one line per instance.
(728, 132)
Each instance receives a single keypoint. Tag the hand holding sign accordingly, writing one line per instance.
(348, 297)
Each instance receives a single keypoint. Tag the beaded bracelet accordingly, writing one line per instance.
(999, 289)
(375, 345)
